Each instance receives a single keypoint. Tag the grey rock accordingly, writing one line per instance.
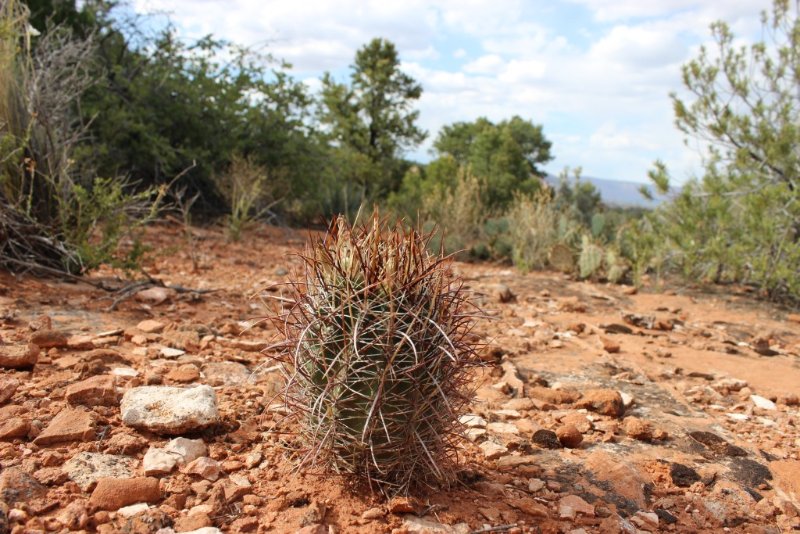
(86, 468)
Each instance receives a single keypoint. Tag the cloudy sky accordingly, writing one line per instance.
(595, 73)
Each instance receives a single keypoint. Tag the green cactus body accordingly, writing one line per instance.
(591, 258)
(598, 225)
(378, 355)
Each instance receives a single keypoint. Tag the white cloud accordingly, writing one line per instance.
(600, 91)
(616, 10)
(488, 64)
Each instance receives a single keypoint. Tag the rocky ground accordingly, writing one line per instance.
(601, 410)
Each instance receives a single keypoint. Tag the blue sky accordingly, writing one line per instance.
(595, 73)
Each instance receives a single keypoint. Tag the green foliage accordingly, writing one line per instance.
(638, 243)
(44, 196)
(506, 156)
(161, 106)
(598, 224)
(373, 116)
(378, 356)
(578, 197)
(739, 220)
(98, 218)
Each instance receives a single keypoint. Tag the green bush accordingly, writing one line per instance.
(738, 221)
(45, 198)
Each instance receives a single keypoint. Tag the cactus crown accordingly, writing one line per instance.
(378, 351)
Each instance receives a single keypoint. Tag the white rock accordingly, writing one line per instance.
(492, 450)
(766, 422)
(124, 371)
(169, 410)
(645, 519)
(159, 461)
(253, 459)
(169, 352)
(473, 434)
(738, 416)
(472, 421)
(761, 402)
(133, 509)
(627, 399)
(240, 480)
(187, 449)
(86, 468)
(502, 428)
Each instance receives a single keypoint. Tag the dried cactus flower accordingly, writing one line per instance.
(378, 355)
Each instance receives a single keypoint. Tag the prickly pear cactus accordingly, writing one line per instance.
(615, 266)
(591, 258)
(598, 224)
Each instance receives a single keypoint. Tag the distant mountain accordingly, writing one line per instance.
(617, 192)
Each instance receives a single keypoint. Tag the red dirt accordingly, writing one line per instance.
(737, 464)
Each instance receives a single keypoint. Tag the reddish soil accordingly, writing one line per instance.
(685, 405)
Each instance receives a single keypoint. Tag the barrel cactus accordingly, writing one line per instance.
(378, 352)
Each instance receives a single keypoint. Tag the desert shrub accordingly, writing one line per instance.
(535, 227)
(248, 191)
(53, 215)
(458, 213)
(738, 220)
(378, 353)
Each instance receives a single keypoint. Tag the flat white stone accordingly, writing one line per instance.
(763, 403)
(738, 416)
(472, 421)
(124, 371)
(492, 450)
(133, 509)
(627, 399)
(766, 422)
(187, 449)
(159, 462)
(169, 352)
(169, 410)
